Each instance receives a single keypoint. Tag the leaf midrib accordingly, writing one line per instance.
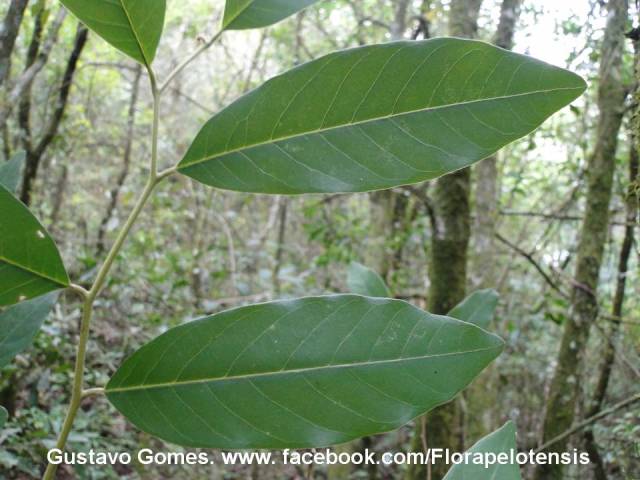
(135, 34)
(296, 370)
(240, 12)
(39, 274)
(370, 120)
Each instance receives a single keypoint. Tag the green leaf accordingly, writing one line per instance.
(365, 281)
(478, 308)
(4, 415)
(11, 171)
(30, 263)
(376, 117)
(299, 373)
(132, 26)
(500, 441)
(244, 14)
(20, 323)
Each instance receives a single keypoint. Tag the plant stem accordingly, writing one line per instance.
(176, 71)
(90, 296)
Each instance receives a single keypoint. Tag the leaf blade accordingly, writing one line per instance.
(365, 281)
(246, 14)
(20, 323)
(378, 116)
(132, 26)
(30, 263)
(501, 441)
(335, 353)
(11, 171)
(478, 308)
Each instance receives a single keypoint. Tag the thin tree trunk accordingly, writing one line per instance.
(608, 356)
(448, 268)
(563, 392)
(34, 155)
(27, 77)
(8, 35)
(481, 397)
(24, 107)
(382, 209)
(126, 163)
(483, 270)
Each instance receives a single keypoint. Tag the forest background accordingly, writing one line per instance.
(529, 223)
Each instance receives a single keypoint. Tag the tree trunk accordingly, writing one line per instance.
(563, 392)
(379, 256)
(483, 270)
(631, 213)
(26, 78)
(448, 268)
(481, 397)
(34, 155)
(9, 34)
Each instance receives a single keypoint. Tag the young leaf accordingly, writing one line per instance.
(478, 308)
(376, 117)
(30, 263)
(132, 26)
(500, 441)
(11, 172)
(20, 323)
(300, 373)
(4, 415)
(244, 14)
(365, 281)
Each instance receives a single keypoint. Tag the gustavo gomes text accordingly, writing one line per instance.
(147, 456)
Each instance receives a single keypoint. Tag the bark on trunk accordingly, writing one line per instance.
(448, 267)
(9, 34)
(563, 392)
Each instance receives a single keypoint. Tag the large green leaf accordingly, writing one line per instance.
(132, 26)
(4, 415)
(378, 116)
(20, 323)
(11, 171)
(30, 263)
(365, 281)
(500, 441)
(243, 14)
(299, 373)
(478, 308)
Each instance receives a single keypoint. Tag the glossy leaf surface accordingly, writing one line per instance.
(364, 281)
(478, 308)
(20, 323)
(11, 172)
(132, 26)
(299, 373)
(30, 263)
(244, 14)
(4, 415)
(500, 441)
(376, 117)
